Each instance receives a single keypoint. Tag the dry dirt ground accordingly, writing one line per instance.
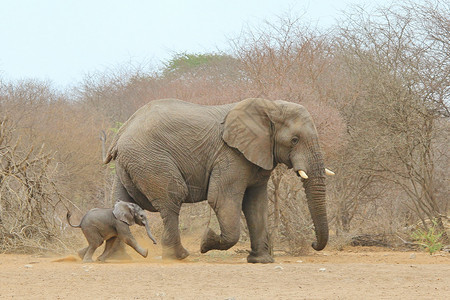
(354, 273)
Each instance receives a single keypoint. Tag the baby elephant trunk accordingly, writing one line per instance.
(149, 233)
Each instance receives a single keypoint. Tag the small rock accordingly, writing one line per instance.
(28, 266)
(299, 261)
(412, 256)
(160, 294)
(158, 257)
(322, 270)
(87, 268)
(278, 268)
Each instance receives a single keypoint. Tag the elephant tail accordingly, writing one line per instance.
(112, 152)
(68, 220)
(111, 155)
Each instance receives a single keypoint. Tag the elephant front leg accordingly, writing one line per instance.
(130, 241)
(228, 211)
(255, 211)
(124, 234)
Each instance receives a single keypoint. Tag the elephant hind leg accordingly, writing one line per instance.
(119, 192)
(82, 252)
(156, 184)
(108, 246)
(164, 185)
(125, 190)
(90, 251)
(95, 240)
(171, 241)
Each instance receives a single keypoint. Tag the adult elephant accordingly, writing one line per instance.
(172, 152)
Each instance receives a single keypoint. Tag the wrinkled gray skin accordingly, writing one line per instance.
(111, 224)
(172, 152)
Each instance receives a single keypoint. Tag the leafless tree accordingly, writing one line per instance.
(401, 74)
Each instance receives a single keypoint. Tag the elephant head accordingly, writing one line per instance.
(271, 132)
(131, 214)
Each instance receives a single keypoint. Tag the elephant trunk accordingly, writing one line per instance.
(315, 195)
(149, 233)
(314, 186)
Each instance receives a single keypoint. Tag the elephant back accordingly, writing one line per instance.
(111, 154)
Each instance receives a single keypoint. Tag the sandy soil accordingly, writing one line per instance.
(355, 273)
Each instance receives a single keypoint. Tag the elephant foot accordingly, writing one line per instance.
(209, 241)
(101, 259)
(143, 252)
(175, 253)
(82, 252)
(213, 241)
(262, 259)
(87, 260)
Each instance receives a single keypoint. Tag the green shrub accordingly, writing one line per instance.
(429, 240)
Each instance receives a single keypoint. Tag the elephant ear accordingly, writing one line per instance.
(124, 212)
(248, 128)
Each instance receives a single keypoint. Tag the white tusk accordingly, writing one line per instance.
(302, 174)
(329, 172)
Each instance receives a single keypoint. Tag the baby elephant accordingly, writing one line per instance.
(110, 224)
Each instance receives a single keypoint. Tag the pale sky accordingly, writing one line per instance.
(62, 40)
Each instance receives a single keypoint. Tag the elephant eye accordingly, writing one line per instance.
(294, 140)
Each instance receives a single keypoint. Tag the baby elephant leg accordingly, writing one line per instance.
(125, 235)
(82, 252)
(95, 240)
(90, 251)
(108, 246)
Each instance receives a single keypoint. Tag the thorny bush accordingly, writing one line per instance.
(29, 198)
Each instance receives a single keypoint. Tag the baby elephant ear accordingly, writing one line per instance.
(124, 212)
